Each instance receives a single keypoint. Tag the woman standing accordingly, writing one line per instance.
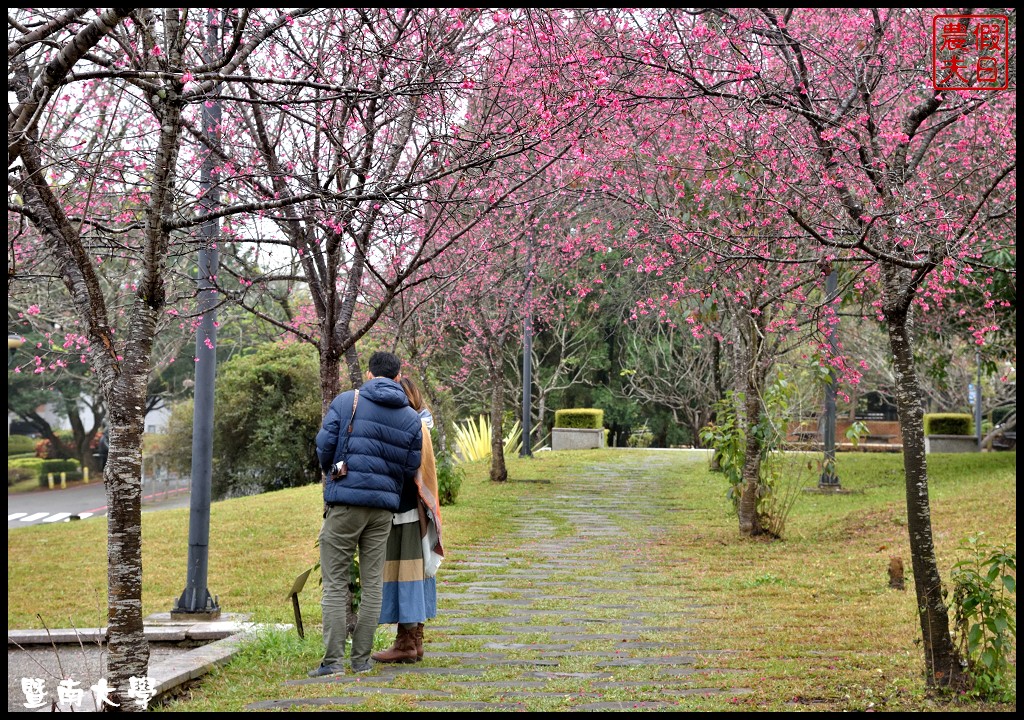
(413, 552)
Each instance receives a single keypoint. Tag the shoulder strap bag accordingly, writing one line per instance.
(340, 468)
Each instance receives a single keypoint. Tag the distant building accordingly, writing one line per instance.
(875, 405)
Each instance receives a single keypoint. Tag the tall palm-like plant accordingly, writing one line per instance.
(473, 439)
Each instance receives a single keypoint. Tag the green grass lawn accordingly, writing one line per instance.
(816, 603)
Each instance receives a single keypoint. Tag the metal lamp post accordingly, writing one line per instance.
(195, 599)
(829, 480)
(527, 450)
(977, 399)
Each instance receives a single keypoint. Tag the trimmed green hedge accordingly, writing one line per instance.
(32, 463)
(948, 424)
(16, 475)
(580, 418)
(73, 476)
(20, 445)
(59, 466)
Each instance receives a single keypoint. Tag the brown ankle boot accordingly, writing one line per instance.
(419, 641)
(403, 651)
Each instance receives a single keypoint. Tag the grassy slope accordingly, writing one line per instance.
(811, 619)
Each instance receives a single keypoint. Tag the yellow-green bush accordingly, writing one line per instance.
(580, 418)
(20, 445)
(948, 424)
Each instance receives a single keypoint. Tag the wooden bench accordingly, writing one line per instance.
(1005, 441)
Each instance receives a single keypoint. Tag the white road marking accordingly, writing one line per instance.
(56, 517)
(34, 517)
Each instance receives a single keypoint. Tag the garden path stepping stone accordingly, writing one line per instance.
(561, 590)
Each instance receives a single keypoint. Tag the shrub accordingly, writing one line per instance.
(20, 445)
(57, 467)
(580, 418)
(44, 448)
(779, 479)
(727, 439)
(32, 464)
(948, 424)
(1000, 414)
(640, 438)
(449, 479)
(73, 476)
(267, 416)
(985, 617)
(16, 475)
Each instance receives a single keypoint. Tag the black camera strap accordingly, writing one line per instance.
(352, 417)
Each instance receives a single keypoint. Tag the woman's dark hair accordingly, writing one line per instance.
(413, 393)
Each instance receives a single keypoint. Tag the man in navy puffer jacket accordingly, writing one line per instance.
(381, 453)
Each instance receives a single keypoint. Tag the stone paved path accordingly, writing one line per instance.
(556, 613)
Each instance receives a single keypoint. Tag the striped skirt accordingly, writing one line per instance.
(408, 596)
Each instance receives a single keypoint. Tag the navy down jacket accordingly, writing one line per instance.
(383, 451)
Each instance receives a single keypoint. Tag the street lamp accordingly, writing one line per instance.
(976, 398)
(527, 447)
(829, 480)
(195, 601)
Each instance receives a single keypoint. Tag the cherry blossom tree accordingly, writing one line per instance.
(857, 159)
(97, 172)
(398, 133)
(437, 157)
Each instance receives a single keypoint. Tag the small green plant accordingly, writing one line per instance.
(449, 479)
(727, 440)
(642, 437)
(766, 579)
(513, 439)
(778, 486)
(473, 439)
(985, 616)
(785, 476)
(856, 432)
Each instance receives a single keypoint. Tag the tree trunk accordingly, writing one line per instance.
(942, 661)
(716, 368)
(330, 382)
(83, 438)
(499, 473)
(541, 411)
(127, 646)
(749, 519)
(355, 372)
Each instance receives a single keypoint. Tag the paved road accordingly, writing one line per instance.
(86, 501)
